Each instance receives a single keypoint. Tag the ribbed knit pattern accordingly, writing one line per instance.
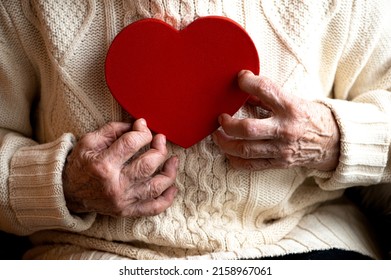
(35, 186)
(53, 91)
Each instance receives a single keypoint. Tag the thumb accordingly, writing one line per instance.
(266, 93)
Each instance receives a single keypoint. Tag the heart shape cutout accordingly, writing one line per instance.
(180, 81)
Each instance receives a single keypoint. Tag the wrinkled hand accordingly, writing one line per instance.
(103, 175)
(297, 132)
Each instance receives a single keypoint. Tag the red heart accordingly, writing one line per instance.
(180, 81)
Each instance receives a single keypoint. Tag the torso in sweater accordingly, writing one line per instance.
(217, 208)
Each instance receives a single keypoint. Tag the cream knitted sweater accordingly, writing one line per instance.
(52, 91)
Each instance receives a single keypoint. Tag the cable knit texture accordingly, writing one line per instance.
(53, 91)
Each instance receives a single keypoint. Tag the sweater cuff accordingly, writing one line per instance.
(36, 192)
(364, 145)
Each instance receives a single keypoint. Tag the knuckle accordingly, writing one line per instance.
(152, 209)
(116, 202)
(156, 209)
(251, 166)
(110, 126)
(131, 143)
(245, 150)
(146, 136)
(285, 132)
(106, 131)
(144, 169)
(86, 141)
(280, 132)
(249, 128)
(109, 129)
(287, 157)
(241, 164)
(262, 85)
(155, 189)
(134, 141)
(272, 149)
(285, 154)
(101, 168)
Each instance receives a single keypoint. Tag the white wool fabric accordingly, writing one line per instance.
(53, 91)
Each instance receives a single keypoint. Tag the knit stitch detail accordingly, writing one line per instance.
(363, 129)
(52, 15)
(297, 22)
(67, 109)
(219, 212)
(35, 188)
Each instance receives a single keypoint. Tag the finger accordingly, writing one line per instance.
(157, 185)
(140, 125)
(170, 168)
(267, 93)
(246, 149)
(129, 143)
(148, 163)
(103, 137)
(250, 129)
(159, 143)
(154, 206)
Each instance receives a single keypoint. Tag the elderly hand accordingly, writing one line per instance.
(297, 132)
(103, 175)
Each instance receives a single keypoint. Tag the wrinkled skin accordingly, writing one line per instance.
(296, 132)
(105, 173)
(100, 177)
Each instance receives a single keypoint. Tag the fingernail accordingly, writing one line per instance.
(143, 121)
(243, 72)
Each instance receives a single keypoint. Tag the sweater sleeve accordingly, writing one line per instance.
(362, 104)
(31, 194)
